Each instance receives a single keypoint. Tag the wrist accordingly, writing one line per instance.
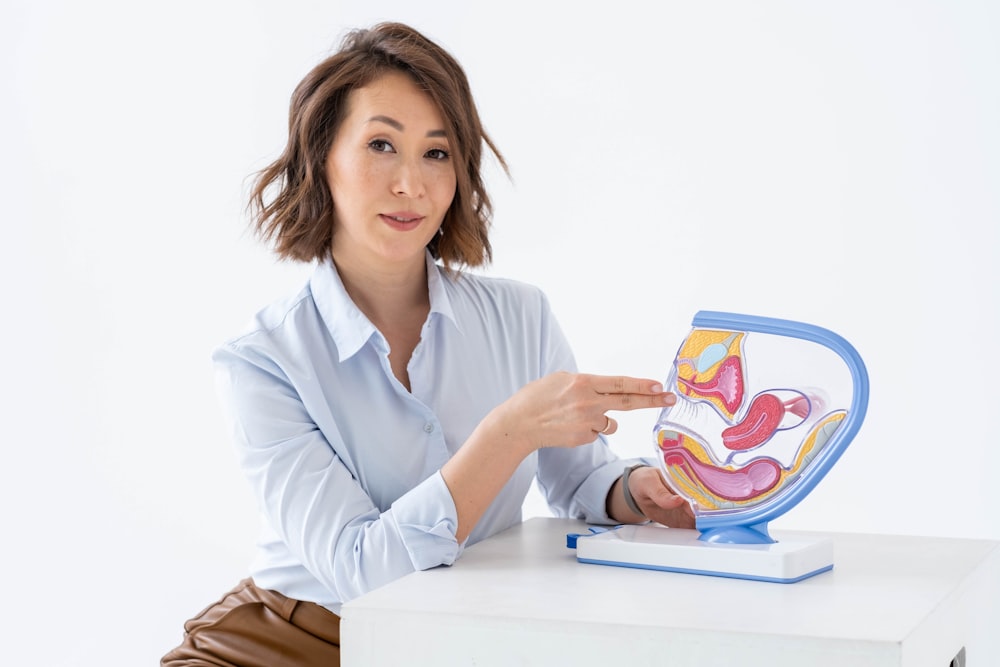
(504, 431)
(627, 492)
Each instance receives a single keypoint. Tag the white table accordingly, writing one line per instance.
(521, 598)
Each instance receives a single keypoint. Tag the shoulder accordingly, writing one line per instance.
(502, 293)
(273, 326)
(514, 318)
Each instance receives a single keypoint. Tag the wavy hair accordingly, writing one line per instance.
(290, 203)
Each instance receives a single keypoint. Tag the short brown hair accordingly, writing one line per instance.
(299, 218)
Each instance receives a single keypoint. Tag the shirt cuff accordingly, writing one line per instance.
(427, 520)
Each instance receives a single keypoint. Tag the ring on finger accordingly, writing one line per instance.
(607, 426)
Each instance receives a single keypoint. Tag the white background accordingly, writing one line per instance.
(836, 163)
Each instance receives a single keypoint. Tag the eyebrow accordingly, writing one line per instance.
(392, 122)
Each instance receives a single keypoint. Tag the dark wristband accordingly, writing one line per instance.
(629, 500)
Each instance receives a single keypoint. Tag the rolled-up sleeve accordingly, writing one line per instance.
(426, 521)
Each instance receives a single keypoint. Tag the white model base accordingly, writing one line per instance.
(655, 547)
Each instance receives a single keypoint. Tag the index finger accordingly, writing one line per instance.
(628, 393)
(622, 384)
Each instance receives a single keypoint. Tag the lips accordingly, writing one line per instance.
(402, 220)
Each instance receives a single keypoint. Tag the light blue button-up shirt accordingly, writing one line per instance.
(344, 461)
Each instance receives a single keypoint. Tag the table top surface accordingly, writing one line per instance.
(880, 589)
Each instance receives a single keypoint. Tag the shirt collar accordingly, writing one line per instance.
(349, 327)
(438, 282)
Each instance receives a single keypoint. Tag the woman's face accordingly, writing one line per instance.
(390, 173)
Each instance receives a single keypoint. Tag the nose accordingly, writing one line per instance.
(408, 179)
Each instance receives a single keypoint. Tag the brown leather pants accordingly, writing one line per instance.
(253, 627)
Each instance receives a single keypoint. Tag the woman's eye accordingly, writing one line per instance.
(380, 145)
(437, 154)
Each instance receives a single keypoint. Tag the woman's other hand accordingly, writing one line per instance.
(654, 497)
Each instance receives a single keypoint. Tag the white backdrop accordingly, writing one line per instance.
(836, 163)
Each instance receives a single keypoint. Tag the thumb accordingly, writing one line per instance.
(665, 498)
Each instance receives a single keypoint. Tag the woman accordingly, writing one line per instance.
(396, 409)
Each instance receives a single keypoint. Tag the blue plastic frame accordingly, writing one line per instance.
(748, 526)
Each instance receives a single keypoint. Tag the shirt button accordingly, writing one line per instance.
(428, 427)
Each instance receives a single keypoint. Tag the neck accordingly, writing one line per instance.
(386, 294)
